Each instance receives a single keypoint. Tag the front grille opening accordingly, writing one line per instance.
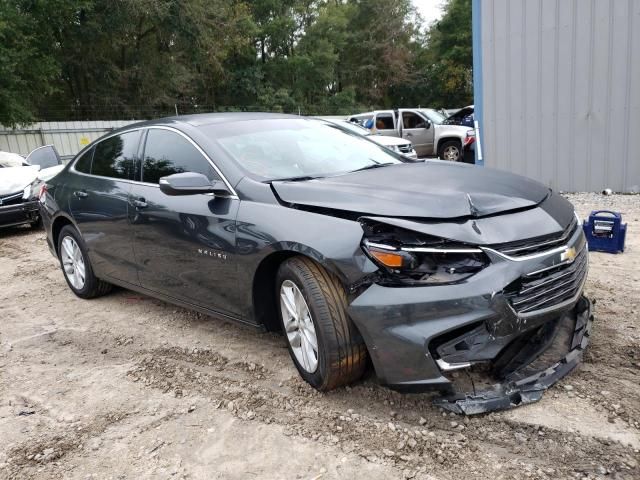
(13, 199)
(551, 287)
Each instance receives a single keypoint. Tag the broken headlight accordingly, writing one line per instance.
(409, 258)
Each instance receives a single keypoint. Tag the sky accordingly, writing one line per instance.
(429, 9)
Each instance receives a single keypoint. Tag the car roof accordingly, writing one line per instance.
(201, 119)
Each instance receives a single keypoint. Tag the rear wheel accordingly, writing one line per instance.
(324, 344)
(76, 266)
(451, 151)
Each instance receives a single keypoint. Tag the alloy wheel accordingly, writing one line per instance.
(73, 262)
(451, 153)
(298, 325)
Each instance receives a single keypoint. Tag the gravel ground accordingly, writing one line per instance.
(126, 386)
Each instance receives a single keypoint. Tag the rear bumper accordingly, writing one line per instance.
(19, 214)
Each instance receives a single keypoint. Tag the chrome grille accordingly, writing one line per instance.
(537, 244)
(549, 287)
(12, 199)
(405, 148)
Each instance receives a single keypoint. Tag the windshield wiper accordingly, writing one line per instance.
(301, 178)
(373, 165)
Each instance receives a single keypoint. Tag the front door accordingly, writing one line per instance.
(419, 131)
(184, 245)
(98, 192)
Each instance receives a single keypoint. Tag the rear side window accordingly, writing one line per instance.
(167, 152)
(384, 121)
(115, 157)
(83, 164)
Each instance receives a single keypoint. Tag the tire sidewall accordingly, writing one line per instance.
(317, 378)
(89, 280)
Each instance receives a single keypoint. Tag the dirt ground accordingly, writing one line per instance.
(128, 387)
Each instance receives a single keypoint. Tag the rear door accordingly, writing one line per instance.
(184, 245)
(98, 194)
(419, 131)
(384, 124)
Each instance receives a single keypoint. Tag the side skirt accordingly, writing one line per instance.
(182, 303)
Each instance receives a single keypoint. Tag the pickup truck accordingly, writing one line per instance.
(424, 127)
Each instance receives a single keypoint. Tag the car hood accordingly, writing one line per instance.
(15, 179)
(431, 190)
(388, 141)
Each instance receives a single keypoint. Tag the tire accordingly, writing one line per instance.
(92, 286)
(341, 353)
(450, 150)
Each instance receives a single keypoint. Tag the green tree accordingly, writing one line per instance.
(27, 71)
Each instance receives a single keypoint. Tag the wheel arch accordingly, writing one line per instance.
(263, 298)
(448, 138)
(56, 227)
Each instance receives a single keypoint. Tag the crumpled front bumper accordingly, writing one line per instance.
(516, 389)
(416, 336)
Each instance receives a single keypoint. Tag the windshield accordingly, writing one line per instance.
(435, 117)
(353, 127)
(278, 149)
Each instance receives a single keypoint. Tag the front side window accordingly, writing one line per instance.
(167, 152)
(412, 120)
(44, 157)
(115, 157)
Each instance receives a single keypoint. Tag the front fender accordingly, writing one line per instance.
(267, 229)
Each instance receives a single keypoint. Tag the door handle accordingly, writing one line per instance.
(81, 194)
(140, 203)
(409, 134)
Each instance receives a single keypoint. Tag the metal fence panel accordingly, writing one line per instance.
(68, 137)
(561, 91)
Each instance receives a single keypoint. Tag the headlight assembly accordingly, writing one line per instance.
(408, 258)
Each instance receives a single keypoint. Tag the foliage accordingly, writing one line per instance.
(97, 59)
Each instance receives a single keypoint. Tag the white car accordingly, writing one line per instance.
(20, 181)
(398, 145)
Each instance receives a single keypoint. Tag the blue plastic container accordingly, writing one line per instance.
(605, 231)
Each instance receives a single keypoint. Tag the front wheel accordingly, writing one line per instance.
(324, 344)
(450, 151)
(76, 266)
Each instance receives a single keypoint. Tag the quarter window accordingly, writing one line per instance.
(115, 157)
(167, 153)
(83, 164)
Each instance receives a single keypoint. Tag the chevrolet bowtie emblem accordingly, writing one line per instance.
(569, 255)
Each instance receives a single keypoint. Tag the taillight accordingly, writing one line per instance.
(42, 192)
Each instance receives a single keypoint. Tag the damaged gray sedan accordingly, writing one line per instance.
(282, 222)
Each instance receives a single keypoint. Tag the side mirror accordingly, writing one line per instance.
(191, 183)
(426, 124)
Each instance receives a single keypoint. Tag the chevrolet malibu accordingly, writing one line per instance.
(282, 222)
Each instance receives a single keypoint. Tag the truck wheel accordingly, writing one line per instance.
(76, 266)
(324, 344)
(450, 150)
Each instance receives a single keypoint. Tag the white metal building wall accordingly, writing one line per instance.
(68, 137)
(560, 86)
